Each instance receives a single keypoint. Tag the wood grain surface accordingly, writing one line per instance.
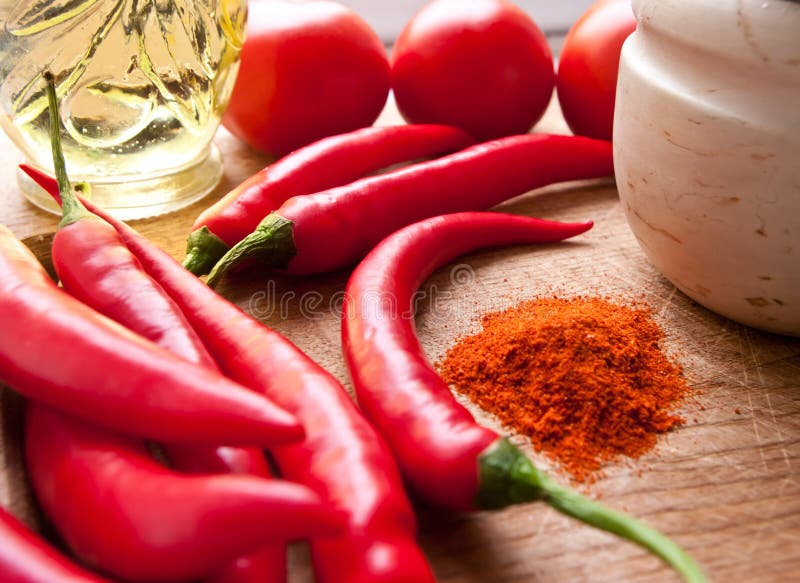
(726, 485)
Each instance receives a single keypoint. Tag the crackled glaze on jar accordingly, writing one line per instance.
(707, 152)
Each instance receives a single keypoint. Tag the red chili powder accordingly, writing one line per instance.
(584, 378)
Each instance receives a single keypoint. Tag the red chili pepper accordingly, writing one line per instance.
(26, 558)
(342, 457)
(324, 164)
(125, 514)
(95, 267)
(268, 563)
(337, 227)
(446, 457)
(102, 372)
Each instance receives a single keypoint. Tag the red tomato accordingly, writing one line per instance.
(482, 65)
(309, 69)
(588, 66)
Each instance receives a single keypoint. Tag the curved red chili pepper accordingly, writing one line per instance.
(125, 514)
(102, 372)
(342, 457)
(335, 228)
(446, 457)
(26, 558)
(435, 440)
(324, 164)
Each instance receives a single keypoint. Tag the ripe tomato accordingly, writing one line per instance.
(309, 69)
(482, 65)
(588, 66)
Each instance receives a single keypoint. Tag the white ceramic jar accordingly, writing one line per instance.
(707, 152)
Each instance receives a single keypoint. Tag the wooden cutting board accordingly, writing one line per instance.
(726, 485)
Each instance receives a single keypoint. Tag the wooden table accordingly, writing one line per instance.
(726, 485)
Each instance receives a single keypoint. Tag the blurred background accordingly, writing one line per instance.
(388, 18)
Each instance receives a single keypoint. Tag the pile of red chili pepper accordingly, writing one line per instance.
(176, 364)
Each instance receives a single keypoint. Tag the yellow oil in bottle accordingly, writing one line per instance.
(142, 87)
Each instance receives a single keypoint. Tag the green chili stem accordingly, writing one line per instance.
(272, 243)
(508, 477)
(573, 504)
(203, 250)
(71, 208)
